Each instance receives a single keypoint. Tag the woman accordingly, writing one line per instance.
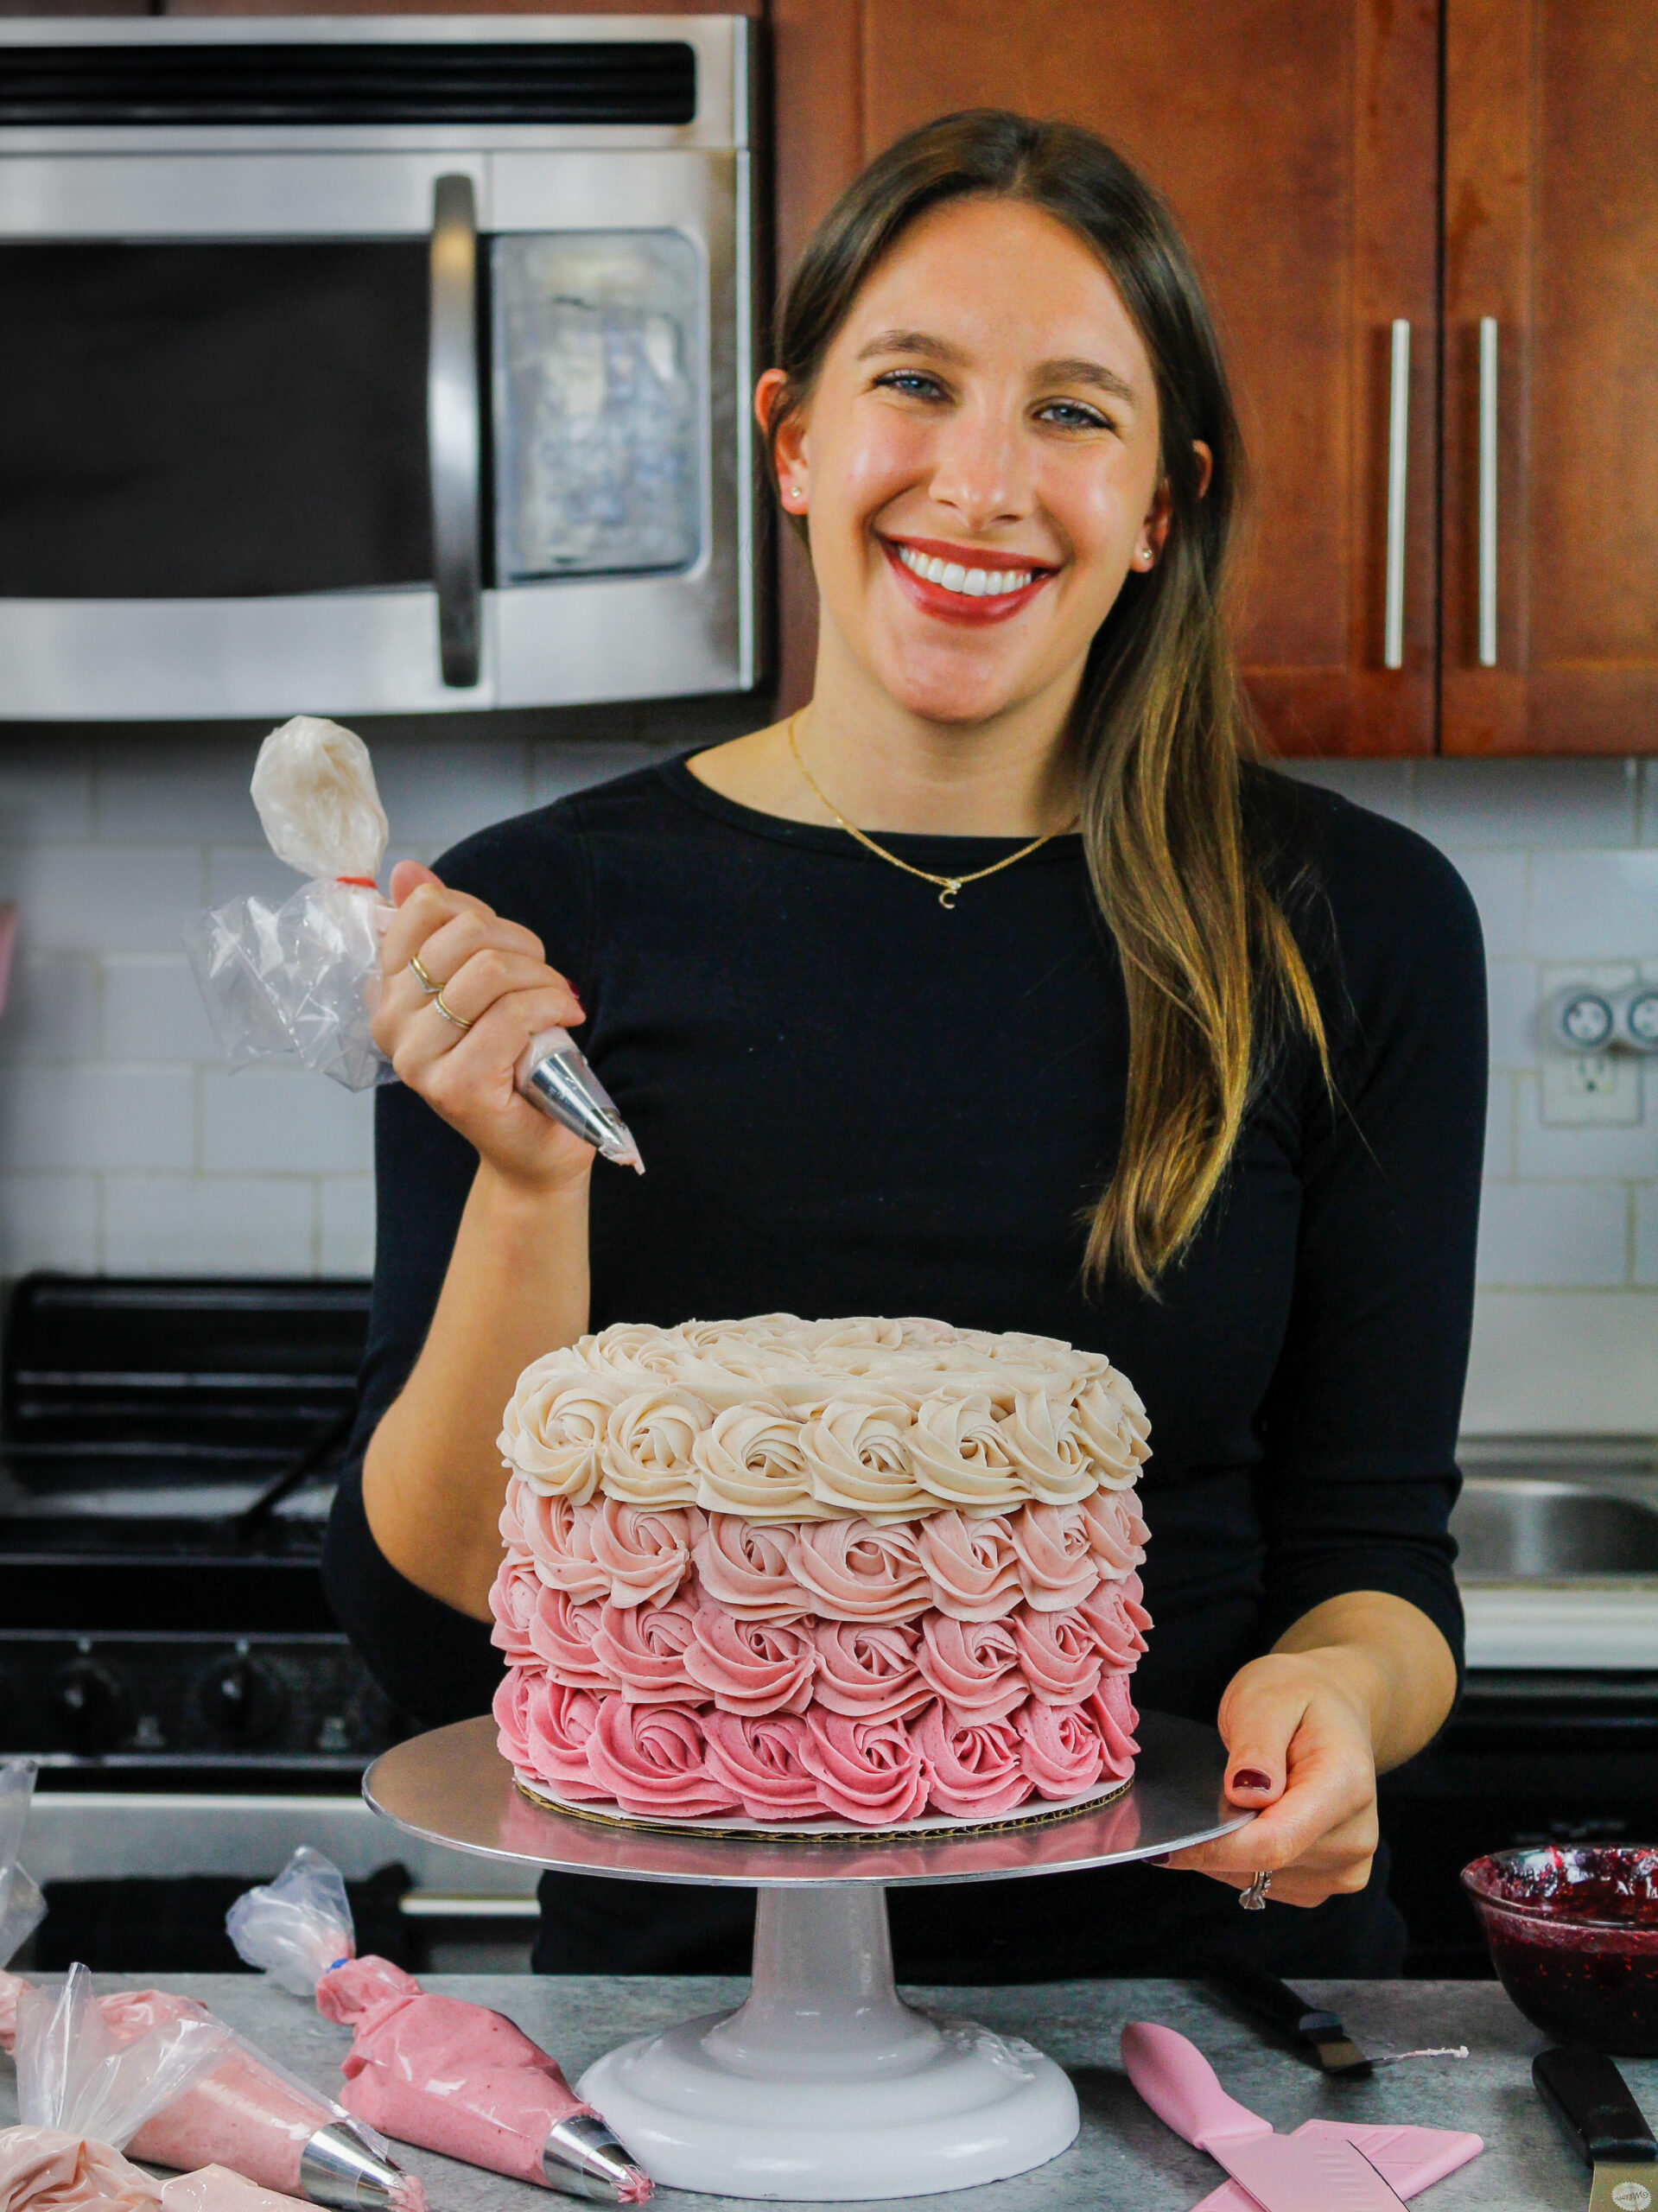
(991, 986)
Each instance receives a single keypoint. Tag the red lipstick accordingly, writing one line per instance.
(954, 606)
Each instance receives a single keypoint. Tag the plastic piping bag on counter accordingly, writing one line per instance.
(301, 980)
(85, 2091)
(451, 2076)
(243, 2113)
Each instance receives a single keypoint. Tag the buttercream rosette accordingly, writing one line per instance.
(859, 1570)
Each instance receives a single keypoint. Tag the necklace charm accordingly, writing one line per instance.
(947, 896)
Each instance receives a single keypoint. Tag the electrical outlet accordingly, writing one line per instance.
(1584, 1089)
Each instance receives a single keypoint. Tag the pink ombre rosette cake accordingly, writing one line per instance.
(858, 1572)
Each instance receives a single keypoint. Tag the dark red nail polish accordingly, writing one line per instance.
(1159, 1859)
(1251, 1777)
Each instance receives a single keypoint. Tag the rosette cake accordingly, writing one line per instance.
(861, 1571)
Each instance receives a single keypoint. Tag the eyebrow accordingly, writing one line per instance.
(1067, 370)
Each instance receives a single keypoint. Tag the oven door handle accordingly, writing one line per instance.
(455, 430)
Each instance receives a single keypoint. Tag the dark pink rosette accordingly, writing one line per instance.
(645, 1553)
(559, 1724)
(509, 1706)
(649, 1758)
(867, 1669)
(976, 1765)
(752, 1667)
(855, 1571)
(1112, 1711)
(558, 1536)
(1059, 1656)
(512, 1600)
(868, 1771)
(972, 1665)
(1060, 1749)
(744, 1566)
(643, 1650)
(1056, 1568)
(561, 1634)
(970, 1564)
(1117, 1622)
(1117, 1534)
(760, 1761)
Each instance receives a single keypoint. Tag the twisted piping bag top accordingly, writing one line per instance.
(314, 788)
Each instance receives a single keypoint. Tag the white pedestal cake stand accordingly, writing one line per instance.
(823, 2085)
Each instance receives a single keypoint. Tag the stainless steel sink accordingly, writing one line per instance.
(1525, 1529)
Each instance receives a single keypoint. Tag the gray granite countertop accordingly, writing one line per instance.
(1124, 2158)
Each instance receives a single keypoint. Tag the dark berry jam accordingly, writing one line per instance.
(1574, 1936)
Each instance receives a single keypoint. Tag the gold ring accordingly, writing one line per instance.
(1254, 1899)
(420, 976)
(448, 1012)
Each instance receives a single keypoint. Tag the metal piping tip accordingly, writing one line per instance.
(583, 2158)
(553, 1075)
(337, 2168)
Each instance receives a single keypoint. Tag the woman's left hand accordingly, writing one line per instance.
(1300, 1746)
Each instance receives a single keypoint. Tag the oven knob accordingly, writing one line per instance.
(90, 1706)
(241, 1700)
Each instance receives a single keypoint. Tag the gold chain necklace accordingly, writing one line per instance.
(948, 887)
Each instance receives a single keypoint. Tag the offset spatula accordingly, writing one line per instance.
(1606, 2126)
(1273, 2001)
(1283, 2173)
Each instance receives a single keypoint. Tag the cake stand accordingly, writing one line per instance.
(823, 2085)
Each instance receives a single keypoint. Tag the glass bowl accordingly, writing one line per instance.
(1573, 1934)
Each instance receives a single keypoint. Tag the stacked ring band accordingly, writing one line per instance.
(1254, 1899)
(448, 1012)
(431, 989)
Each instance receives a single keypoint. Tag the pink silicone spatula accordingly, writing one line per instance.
(1283, 2173)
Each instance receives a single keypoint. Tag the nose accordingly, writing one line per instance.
(981, 472)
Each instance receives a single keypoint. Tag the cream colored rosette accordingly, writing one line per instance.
(555, 1426)
(644, 1458)
(749, 1461)
(857, 1454)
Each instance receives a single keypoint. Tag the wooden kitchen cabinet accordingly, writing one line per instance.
(1552, 233)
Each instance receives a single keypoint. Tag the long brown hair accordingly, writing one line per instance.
(1211, 967)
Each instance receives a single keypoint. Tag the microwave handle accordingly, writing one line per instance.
(454, 429)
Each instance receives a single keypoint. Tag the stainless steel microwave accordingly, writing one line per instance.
(373, 364)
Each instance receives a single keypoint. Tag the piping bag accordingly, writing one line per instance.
(303, 979)
(448, 2075)
(21, 1906)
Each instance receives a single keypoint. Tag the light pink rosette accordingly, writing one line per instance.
(1056, 1568)
(646, 1458)
(1117, 1534)
(557, 1535)
(1117, 1621)
(649, 1758)
(1041, 1437)
(976, 1765)
(750, 1462)
(554, 1424)
(758, 1760)
(1112, 1711)
(1060, 1749)
(643, 1650)
(1059, 1656)
(509, 1707)
(559, 1724)
(858, 1459)
(644, 1554)
(970, 1564)
(744, 1568)
(1112, 1422)
(867, 1669)
(561, 1635)
(854, 1570)
(972, 1665)
(511, 1530)
(752, 1667)
(960, 1455)
(868, 1771)
(512, 1598)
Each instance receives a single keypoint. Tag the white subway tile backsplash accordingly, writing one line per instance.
(1496, 882)
(96, 1114)
(1499, 1125)
(574, 766)
(153, 1011)
(101, 898)
(1553, 1236)
(249, 871)
(1594, 906)
(45, 789)
(216, 1225)
(51, 1010)
(1532, 803)
(1601, 1152)
(282, 1120)
(175, 791)
(345, 1234)
(47, 1221)
(1513, 992)
(1563, 1364)
(1385, 786)
(1645, 1239)
(437, 791)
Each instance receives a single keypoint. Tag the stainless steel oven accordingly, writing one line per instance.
(358, 366)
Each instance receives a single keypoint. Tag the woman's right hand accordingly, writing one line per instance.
(492, 973)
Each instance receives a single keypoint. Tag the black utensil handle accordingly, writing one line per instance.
(1273, 2000)
(1588, 2094)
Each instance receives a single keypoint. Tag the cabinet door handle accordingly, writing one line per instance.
(1488, 491)
(454, 429)
(1393, 641)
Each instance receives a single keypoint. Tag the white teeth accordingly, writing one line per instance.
(972, 583)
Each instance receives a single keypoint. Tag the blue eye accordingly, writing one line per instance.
(911, 382)
(1072, 415)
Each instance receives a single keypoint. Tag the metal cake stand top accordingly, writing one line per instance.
(454, 1787)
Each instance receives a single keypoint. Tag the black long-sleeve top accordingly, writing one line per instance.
(852, 1100)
